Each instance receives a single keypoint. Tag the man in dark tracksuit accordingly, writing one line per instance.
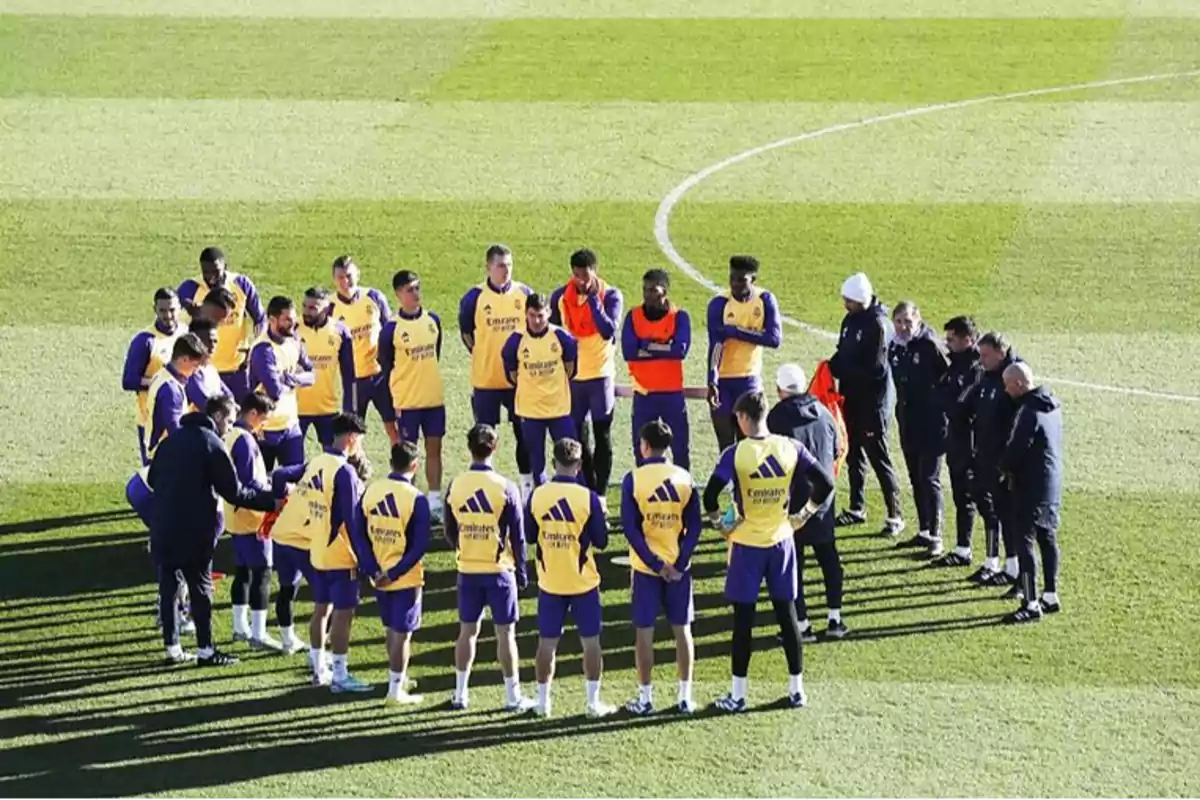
(1033, 465)
(190, 470)
(918, 363)
(864, 380)
(990, 413)
(800, 416)
(962, 374)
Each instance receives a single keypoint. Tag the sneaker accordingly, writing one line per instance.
(520, 705)
(1014, 593)
(849, 517)
(604, 506)
(981, 576)
(730, 706)
(807, 636)
(322, 678)
(349, 685)
(217, 659)
(437, 515)
(402, 699)
(1023, 615)
(459, 703)
(951, 559)
(921, 540)
(639, 707)
(836, 629)
(797, 700)
(600, 709)
(935, 548)
(685, 707)
(266, 642)
(187, 628)
(293, 646)
(241, 636)
(179, 657)
(891, 528)
(540, 710)
(1000, 578)
(1050, 608)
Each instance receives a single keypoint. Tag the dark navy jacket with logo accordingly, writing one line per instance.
(989, 411)
(1033, 459)
(962, 374)
(861, 365)
(917, 369)
(802, 417)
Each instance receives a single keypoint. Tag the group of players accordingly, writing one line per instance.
(550, 363)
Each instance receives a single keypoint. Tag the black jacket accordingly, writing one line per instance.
(989, 411)
(861, 367)
(917, 369)
(1034, 460)
(191, 468)
(803, 418)
(962, 374)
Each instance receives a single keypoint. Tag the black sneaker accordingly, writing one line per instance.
(807, 636)
(951, 559)
(1000, 578)
(850, 517)
(217, 659)
(836, 630)
(981, 576)
(1023, 615)
(920, 540)
(1014, 593)
(1050, 608)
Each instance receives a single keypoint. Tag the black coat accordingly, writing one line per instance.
(803, 418)
(191, 469)
(1033, 459)
(989, 411)
(861, 367)
(917, 369)
(962, 374)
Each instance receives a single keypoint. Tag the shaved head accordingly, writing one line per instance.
(1018, 379)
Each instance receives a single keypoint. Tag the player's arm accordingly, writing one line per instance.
(676, 349)
(438, 322)
(556, 298)
(606, 314)
(416, 539)
(347, 502)
(381, 303)
(223, 478)
(721, 477)
(466, 318)
(512, 525)
(168, 411)
(282, 476)
(450, 525)
(243, 455)
(304, 374)
(136, 361)
(254, 306)
(1020, 441)
(631, 348)
(346, 366)
(509, 356)
(264, 371)
(570, 352)
(691, 532)
(772, 333)
(716, 338)
(187, 296)
(596, 530)
(386, 354)
(631, 522)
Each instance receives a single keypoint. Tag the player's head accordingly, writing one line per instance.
(743, 272)
(584, 266)
(537, 312)
(499, 260)
(358, 461)
(347, 429)
(212, 266)
(751, 412)
(482, 442)
(993, 349)
(217, 306)
(281, 316)
(254, 410)
(221, 410)
(206, 332)
(568, 457)
(906, 320)
(407, 285)
(790, 381)
(654, 439)
(188, 354)
(857, 292)
(406, 456)
(345, 274)
(315, 306)
(656, 285)
(1018, 379)
(961, 333)
(166, 310)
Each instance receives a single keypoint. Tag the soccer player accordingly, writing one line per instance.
(166, 399)
(540, 362)
(410, 349)
(331, 351)
(363, 312)
(767, 472)
(485, 524)
(918, 363)
(741, 322)
(278, 366)
(566, 521)
(242, 326)
(205, 383)
(149, 352)
(660, 512)
(590, 310)
(655, 339)
(861, 367)
(487, 315)
(397, 519)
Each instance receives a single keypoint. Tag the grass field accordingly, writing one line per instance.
(134, 133)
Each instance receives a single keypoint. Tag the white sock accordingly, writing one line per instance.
(593, 692)
(965, 552)
(924, 534)
(435, 499)
(258, 624)
(1033, 604)
(1050, 597)
(461, 676)
(992, 563)
(241, 619)
(805, 625)
(646, 694)
(739, 688)
(397, 683)
(340, 670)
(1012, 567)
(835, 615)
(543, 695)
(287, 633)
(795, 684)
(512, 689)
(205, 652)
(316, 660)
(685, 691)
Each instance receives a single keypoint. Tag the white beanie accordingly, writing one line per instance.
(791, 378)
(858, 288)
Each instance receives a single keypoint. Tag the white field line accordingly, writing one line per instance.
(662, 216)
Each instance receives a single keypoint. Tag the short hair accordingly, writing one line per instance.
(344, 261)
(753, 405)
(404, 455)
(403, 278)
(905, 307)
(257, 401)
(584, 259)
(657, 434)
(658, 277)
(482, 440)
(747, 264)
(361, 465)
(165, 293)
(316, 293)
(211, 255)
(996, 341)
(199, 326)
(568, 452)
(220, 405)
(537, 301)
(497, 252)
(278, 305)
(961, 326)
(221, 298)
(189, 346)
(347, 423)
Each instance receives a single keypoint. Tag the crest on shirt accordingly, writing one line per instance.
(432, 328)
(487, 309)
(525, 353)
(404, 337)
(554, 347)
(756, 313)
(518, 304)
(729, 316)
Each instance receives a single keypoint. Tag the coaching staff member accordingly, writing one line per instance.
(190, 470)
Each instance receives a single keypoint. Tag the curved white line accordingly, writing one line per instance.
(662, 216)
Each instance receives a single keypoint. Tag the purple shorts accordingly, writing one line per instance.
(595, 398)
(140, 497)
(652, 596)
(291, 563)
(336, 587)
(671, 408)
(749, 566)
(238, 384)
(400, 610)
(415, 422)
(552, 610)
(324, 425)
(373, 391)
(534, 431)
(250, 551)
(497, 591)
(730, 389)
(487, 404)
(282, 448)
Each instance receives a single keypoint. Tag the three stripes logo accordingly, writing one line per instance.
(318, 482)
(386, 508)
(477, 503)
(665, 493)
(559, 512)
(769, 468)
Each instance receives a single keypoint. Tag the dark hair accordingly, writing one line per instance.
(220, 297)
(403, 278)
(165, 293)
(404, 455)
(568, 453)
(482, 441)
(753, 405)
(202, 326)
(348, 423)
(316, 293)
(905, 306)
(536, 301)
(278, 305)
(257, 401)
(961, 326)
(584, 259)
(211, 255)
(747, 264)
(658, 277)
(996, 341)
(344, 262)
(657, 434)
(361, 465)
(189, 346)
(219, 405)
(497, 251)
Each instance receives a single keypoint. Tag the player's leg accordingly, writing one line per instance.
(834, 577)
(588, 616)
(168, 587)
(679, 604)
(501, 595)
(200, 595)
(533, 433)
(1047, 539)
(640, 414)
(343, 594)
(964, 510)
(743, 577)
(239, 599)
(471, 599)
(579, 418)
(287, 567)
(807, 632)
(856, 468)
(910, 449)
(552, 617)
(405, 620)
(985, 502)
(318, 625)
(433, 425)
(602, 405)
(260, 595)
(381, 398)
(1027, 544)
(724, 428)
(675, 414)
(647, 601)
(878, 452)
(783, 584)
(935, 504)
(1010, 532)
(291, 448)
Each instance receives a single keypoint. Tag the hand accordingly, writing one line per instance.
(381, 580)
(593, 286)
(669, 573)
(522, 582)
(714, 397)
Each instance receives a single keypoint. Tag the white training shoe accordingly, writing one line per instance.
(405, 699)
(540, 710)
(266, 642)
(600, 709)
(520, 705)
(322, 678)
(292, 646)
(241, 636)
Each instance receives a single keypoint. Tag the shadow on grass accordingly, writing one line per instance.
(74, 520)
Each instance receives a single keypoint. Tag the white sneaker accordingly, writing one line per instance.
(936, 549)
(540, 710)
(187, 628)
(520, 705)
(322, 678)
(604, 506)
(241, 636)
(292, 646)
(600, 709)
(404, 699)
(266, 642)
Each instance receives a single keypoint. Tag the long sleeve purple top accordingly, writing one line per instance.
(416, 535)
(265, 371)
(631, 521)
(606, 311)
(137, 358)
(635, 349)
(245, 453)
(718, 332)
(169, 406)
